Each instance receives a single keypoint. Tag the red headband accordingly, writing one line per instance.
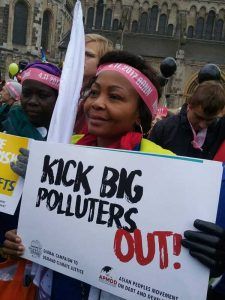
(41, 76)
(139, 81)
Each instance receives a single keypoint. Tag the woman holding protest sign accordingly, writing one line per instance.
(119, 106)
(31, 119)
(115, 119)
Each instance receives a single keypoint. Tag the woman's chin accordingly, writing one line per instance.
(95, 132)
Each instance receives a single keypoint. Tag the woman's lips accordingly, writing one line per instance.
(96, 120)
(97, 117)
(33, 112)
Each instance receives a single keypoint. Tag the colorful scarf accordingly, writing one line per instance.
(128, 141)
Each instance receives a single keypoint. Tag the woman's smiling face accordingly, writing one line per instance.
(112, 107)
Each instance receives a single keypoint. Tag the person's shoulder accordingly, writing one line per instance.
(150, 147)
(164, 123)
(16, 109)
(16, 113)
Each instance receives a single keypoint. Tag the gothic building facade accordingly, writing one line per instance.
(193, 32)
(28, 25)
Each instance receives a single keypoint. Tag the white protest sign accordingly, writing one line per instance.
(11, 184)
(78, 201)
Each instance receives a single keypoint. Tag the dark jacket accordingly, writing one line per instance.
(17, 123)
(175, 134)
(4, 109)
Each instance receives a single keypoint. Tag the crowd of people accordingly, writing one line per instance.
(115, 112)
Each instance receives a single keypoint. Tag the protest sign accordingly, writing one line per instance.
(10, 183)
(114, 218)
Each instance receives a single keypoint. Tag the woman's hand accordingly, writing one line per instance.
(207, 245)
(13, 245)
(20, 166)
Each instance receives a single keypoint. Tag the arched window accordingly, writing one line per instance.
(170, 30)
(134, 26)
(99, 14)
(115, 25)
(143, 22)
(162, 24)
(45, 33)
(90, 18)
(210, 25)
(190, 32)
(199, 28)
(153, 18)
(218, 30)
(20, 23)
(108, 19)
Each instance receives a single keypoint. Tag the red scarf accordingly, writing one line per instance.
(127, 142)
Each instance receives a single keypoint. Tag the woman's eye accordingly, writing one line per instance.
(115, 97)
(89, 55)
(93, 93)
(43, 96)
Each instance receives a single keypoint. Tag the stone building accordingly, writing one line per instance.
(193, 32)
(26, 25)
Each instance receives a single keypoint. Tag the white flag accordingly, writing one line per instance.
(64, 115)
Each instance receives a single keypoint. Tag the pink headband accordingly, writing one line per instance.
(139, 81)
(16, 94)
(41, 76)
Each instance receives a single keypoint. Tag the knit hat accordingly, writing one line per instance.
(15, 89)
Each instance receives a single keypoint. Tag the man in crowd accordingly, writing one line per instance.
(198, 130)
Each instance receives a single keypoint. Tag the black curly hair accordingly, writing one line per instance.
(140, 64)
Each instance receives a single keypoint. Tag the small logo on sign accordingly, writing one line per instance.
(35, 249)
(106, 276)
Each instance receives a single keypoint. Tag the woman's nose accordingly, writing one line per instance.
(33, 100)
(99, 102)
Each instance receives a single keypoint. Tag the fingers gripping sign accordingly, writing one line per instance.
(13, 244)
